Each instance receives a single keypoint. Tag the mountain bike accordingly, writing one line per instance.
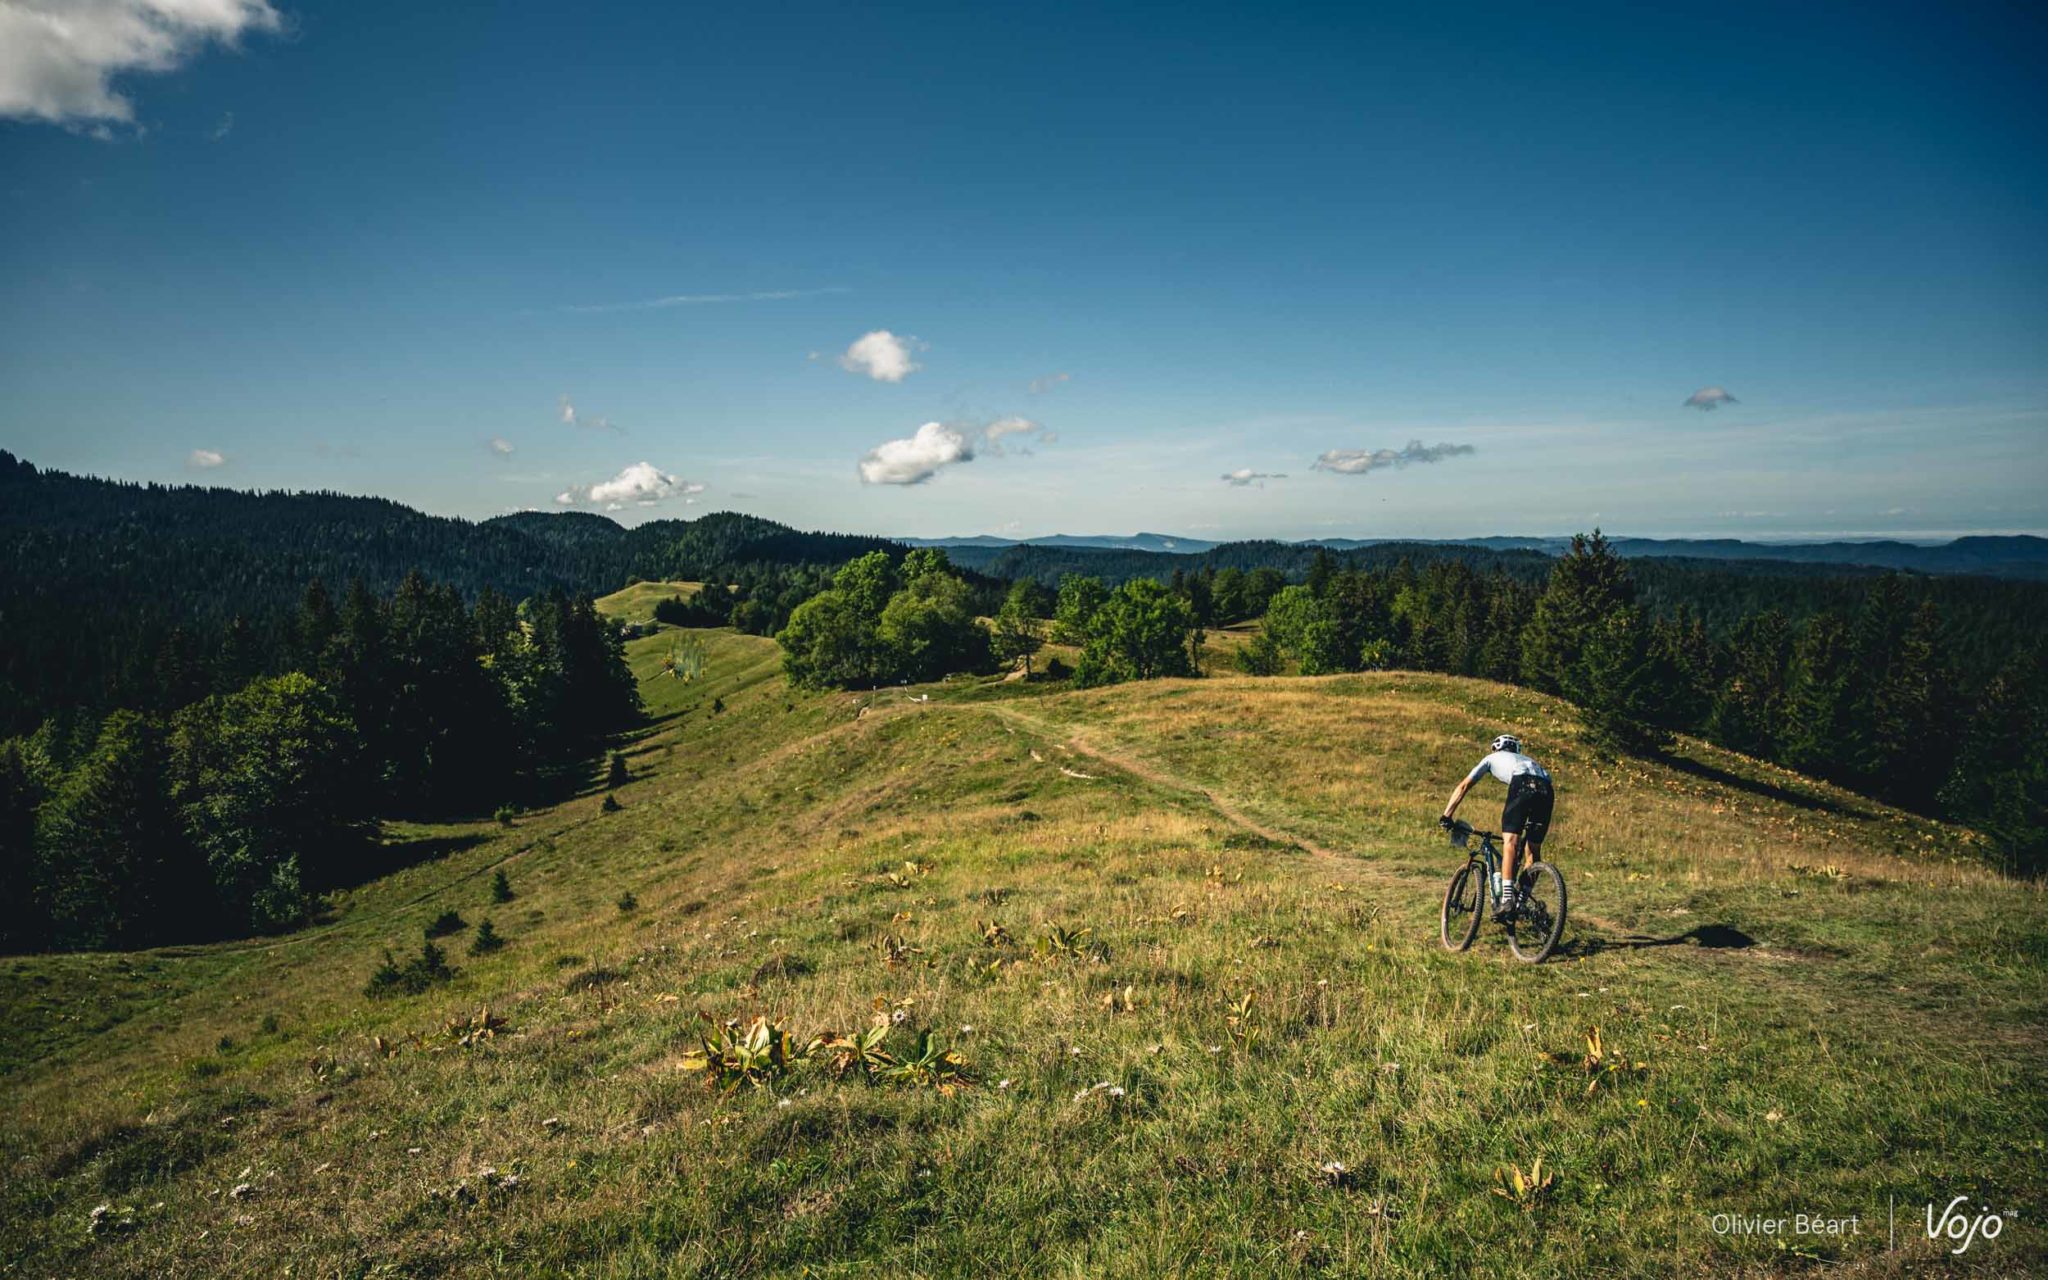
(1535, 926)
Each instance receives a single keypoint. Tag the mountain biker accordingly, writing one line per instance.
(1525, 820)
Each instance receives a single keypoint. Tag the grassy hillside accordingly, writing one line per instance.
(636, 603)
(1806, 1004)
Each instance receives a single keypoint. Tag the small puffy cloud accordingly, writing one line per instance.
(59, 58)
(501, 446)
(883, 356)
(1039, 386)
(1024, 429)
(205, 459)
(1356, 462)
(225, 127)
(1245, 478)
(1708, 399)
(571, 417)
(643, 484)
(918, 458)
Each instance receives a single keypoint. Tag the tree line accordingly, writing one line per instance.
(1872, 696)
(233, 812)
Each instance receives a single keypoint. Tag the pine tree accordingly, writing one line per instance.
(1587, 585)
(1824, 732)
(2000, 779)
(1912, 735)
(1623, 682)
(21, 924)
(1748, 709)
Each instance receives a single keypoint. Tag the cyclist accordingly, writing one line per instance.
(1526, 818)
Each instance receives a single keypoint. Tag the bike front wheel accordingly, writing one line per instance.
(1538, 922)
(1463, 898)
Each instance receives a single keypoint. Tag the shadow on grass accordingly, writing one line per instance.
(1769, 791)
(383, 859)
(1711, 937)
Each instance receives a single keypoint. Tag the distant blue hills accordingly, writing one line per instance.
(2015, 555)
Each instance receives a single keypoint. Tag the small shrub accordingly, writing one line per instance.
(618, 775)
(226, 1044)
(268, 1026)
(501, 887)
(718, 706)
(611, 803)
(505, 814)
(487, 938)
(426, 969)
(627, 902)
(446, 923)
(1057, 669)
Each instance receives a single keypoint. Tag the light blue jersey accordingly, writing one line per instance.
(1507, 766)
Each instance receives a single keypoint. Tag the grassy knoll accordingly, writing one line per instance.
(636, 603)
(1183, 935)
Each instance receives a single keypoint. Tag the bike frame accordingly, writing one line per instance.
(1489, 856)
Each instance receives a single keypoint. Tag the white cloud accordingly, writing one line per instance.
(59, 58)
(703, 300)
(1708, 399)
(883, 356)
(1040, 385)
(1245, 478)
(225, 127)
(1356, 462)
(501, 446)
(205, 459)
(570, 417)
(642, 484)
(995, 431)
(918, 458)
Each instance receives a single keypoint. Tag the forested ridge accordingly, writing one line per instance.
(116, 594)
(209, 697)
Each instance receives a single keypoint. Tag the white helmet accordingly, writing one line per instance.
(1507, 742)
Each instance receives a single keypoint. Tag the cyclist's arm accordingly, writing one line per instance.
(1458, 796)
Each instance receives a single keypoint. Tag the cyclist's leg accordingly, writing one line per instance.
(1511, 821)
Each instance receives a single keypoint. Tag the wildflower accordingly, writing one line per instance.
(1003, 1083)
(1073, 1051)
(966, 1028)
(900, 1016)
(782, 1104)
(1116, 1091)
(1335, 1168)
(242, 1189)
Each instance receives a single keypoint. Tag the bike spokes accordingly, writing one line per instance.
(1538, 922)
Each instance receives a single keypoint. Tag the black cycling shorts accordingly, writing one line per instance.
(1528, 809)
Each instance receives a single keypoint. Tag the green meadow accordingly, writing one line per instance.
(1134, 981)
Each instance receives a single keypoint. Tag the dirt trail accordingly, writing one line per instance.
(1080, 743)
(1358, 869)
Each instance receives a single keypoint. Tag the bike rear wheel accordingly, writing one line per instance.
(1538, 922)
(1463, 898)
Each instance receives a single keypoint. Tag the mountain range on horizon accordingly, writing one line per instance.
(2008, 555)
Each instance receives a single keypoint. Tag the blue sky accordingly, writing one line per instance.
(1116, 254)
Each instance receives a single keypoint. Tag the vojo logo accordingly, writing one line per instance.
(1957, 1224)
